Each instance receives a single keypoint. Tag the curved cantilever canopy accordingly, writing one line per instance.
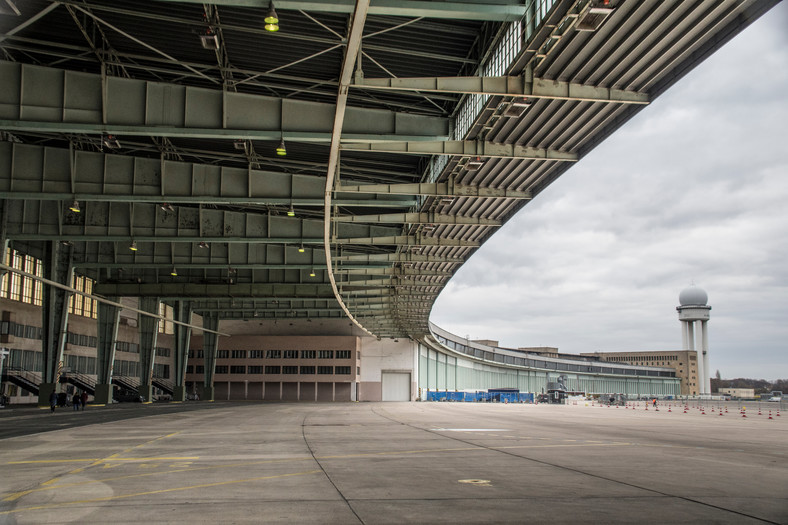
(413, 130)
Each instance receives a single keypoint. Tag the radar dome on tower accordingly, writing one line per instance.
(693, 296)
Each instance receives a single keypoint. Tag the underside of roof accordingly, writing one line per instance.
(412, 131)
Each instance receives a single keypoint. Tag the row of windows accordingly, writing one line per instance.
(291, 370)
(35, 332)
(79, 304)
(643, 358)
(19, 287)
(275, 354)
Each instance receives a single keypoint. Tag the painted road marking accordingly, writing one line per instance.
(163, 491)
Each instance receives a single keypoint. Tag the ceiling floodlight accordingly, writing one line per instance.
(291, 211)
(174, 272)
(203, 244)
(75, 206)
(301, 249)
(133, 246)
(280, 149)
(167, 207)
(312, 273)
(209, 40)
(474, 164)
(110, 141)
(271, 19)
(592, 17)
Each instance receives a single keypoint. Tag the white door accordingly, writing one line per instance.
(396, 386)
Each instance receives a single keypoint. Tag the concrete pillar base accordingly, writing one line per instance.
(146, 392)
(179, 393)
(43, 393)
(103, 394)
(207, 393)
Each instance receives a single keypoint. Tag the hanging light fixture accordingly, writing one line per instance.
(312, 273)
(301, 248)
(133, 246)
(174, 272)
(75, 206)
(271, 19)
(280, 149)
(291, 211)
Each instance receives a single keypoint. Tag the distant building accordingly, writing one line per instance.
(741, 393)
(685, 362)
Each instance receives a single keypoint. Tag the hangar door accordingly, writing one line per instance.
(396, 386)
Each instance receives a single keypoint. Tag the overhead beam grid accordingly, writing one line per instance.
(348, 170)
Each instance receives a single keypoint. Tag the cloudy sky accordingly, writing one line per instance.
(694, 189)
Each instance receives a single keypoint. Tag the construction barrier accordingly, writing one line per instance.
(481, 397)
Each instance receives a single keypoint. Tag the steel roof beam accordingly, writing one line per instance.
(43, 173)
(508, 86)
(465, 148)
(399, 257)
(50, 99)
(499, 11)
(295, 292)
(406, 240)
(435, 189)
(417, 218)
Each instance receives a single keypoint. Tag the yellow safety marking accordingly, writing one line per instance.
(148, 493)
(15, 496)
(102, 460)
(94, 462)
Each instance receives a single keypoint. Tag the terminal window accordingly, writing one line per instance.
(325, 354)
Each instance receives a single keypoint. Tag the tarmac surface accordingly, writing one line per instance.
(392, 463)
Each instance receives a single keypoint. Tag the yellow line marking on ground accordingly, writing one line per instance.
(98, 461)
(94, 462)
(17, 495)
(151, 492)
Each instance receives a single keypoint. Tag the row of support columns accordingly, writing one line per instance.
(58, 267)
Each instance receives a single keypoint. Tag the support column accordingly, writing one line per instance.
(3, 231)
(149, 333)
(108, 322)
(704, 345)
(183, 334)
(684, 335)
(57, 267)
(210, 346)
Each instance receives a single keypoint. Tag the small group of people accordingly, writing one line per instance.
(77, 401)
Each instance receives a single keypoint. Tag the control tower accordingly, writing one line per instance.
(693, 309)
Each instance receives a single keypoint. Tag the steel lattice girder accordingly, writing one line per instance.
(510, 86)
(259, 291)
(501, 10)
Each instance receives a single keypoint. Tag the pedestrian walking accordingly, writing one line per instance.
(76, 401)
(84, 399)
(52, 401)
